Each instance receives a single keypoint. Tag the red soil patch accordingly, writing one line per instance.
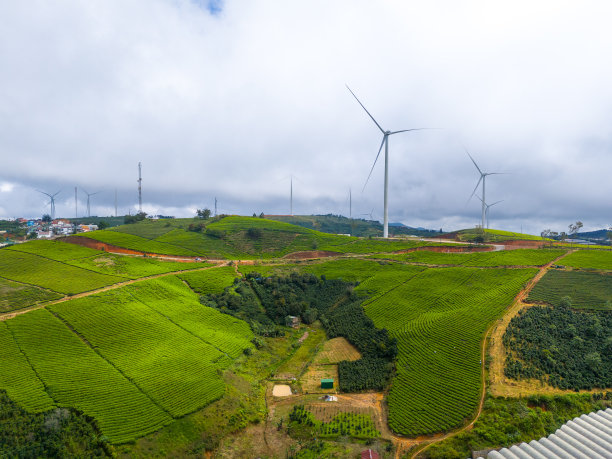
(311, 254)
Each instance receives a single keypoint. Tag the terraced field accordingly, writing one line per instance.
(586, 290)
(211, 280)
(439, 318)
(589, 259)
(521, 257)
(14, 295)
(53, 275)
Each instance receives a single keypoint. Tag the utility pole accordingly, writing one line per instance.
(76, 210)
(291, 197)
(139, 188)
(115, 202)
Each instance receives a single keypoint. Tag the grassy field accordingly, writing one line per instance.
(589, 259)
(130, 241)
(55, 250)
(492, 235)
(586, 290)
(521, 257)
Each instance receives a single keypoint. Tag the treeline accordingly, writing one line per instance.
(266, 302)
(567, 349)
(56, 433)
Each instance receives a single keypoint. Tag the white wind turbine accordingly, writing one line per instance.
(385, 142)
(483, 176)
(89, 195)
(52, 202)
(487, 207)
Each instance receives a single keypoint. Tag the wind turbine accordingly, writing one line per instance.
(487, 207)
(385, 142)
(483, 176)
(88, 196)
(52, 202)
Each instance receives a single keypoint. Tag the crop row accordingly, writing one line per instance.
(74, 375)
(55, 250)
(588, 290)
(172, 299)
(14, 295)
(172, 366)
(210, 280)
(137, 243)
(54, 275)
(521, 257)
(439, 318)
(17, 377)
(594, 259)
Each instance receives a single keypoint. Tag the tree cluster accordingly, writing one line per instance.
(265, 303)
(568, 349)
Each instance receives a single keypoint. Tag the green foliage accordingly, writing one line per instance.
(439, 318)
(570, 350)
(210, 280)
(132, 267)
(343, 424)
(76, 376)
(587, 290)
(117, 238)
(56, 433)
(50, 274)
(14, 295)
(505, 422)
(593, 259)
(55, 250)
(140, 216)
(521, 257)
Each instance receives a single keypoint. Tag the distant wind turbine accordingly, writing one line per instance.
(385, 142)
(89, 195)
(487, 207)
(483, 176)
(52, 202)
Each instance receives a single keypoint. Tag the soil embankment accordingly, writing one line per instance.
(308, 254)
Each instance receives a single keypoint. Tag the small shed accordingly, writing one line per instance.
(327, 383)
(292, 321)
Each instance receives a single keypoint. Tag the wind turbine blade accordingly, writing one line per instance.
(497, 173)
(366, 110)
(475, 188)
(408, 130)
(468, 153)
(44, 193)
(371, 170)
(497, 202)
(57, 193)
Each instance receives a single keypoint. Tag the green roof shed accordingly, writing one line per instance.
(327, 383)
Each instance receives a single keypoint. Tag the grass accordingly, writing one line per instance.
(55, 250)
(586, 290)
(14, 295)
(129, 241)
(211, 280)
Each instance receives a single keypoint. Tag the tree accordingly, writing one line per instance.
(203, 213)
(140, 216)
(609, 234)
(102, 224)
(46, 218)
(574, 228)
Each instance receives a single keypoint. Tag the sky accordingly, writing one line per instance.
(230, 99)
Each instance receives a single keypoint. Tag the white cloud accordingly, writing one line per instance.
(229, 104)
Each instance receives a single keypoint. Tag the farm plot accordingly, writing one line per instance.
(55, 250)
(172, 299)
(138, 243)
(50, 274)
(18, 378)
(132, 267)
(175, 368)
(439, 318)
(335, 350)
(76, 376)
(520, 257)
(586, 290)
(14, 295)
(346, 423)
(210, 280)
(593, 259)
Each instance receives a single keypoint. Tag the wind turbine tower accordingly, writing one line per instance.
(483, 176)
(76, 208)
(350, 204)
(89, 195)
(139, 188)
(487, 207)
(385, 142)
(291, 198)
(115, 202)
(215, 206)
(52, 202)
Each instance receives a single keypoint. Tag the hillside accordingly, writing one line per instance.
(168, 354)
(238, 238)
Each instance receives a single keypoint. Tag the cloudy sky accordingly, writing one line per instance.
(231, 98)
